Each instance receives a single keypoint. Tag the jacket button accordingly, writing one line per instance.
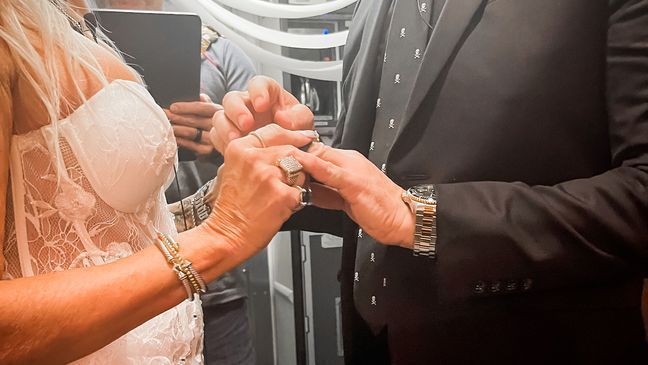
(511, 285)
(527, 284)
(496, 287)
(479, 288)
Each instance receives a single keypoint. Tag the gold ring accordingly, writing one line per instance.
(291, 169)
(253, 133)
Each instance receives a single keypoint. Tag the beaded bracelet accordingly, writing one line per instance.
(189, 277)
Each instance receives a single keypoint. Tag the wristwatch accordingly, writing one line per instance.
(191, 211)
(422, 200)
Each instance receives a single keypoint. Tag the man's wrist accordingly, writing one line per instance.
(422, 202)
(191, 211)
(408, 228)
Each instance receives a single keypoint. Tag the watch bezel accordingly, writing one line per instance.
(413, 194)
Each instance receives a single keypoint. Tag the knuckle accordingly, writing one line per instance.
(272, 128)
(250, 155)
(329, 168)
(265, 175)
(286, 196)
(290, 150)
(355, 154)
(324, 150)
(234, 149)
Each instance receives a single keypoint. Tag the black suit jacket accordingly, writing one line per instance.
(532, 119)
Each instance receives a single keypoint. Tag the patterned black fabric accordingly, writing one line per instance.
(406, 41)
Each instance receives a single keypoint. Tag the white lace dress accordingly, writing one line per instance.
(96, 198)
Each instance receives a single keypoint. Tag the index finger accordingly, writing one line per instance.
(238, 109)
(327, 153)
(200, 108)
(264, 92)
(327, 172)
(273, 135)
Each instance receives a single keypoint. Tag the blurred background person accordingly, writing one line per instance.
(225, 67)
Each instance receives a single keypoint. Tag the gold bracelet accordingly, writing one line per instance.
(181, 275)
(189, 277)
(180, 265)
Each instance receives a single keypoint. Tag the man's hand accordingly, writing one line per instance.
(354, 184)
(192, 122)
(265, 102)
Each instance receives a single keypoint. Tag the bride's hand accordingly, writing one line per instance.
(253, 198)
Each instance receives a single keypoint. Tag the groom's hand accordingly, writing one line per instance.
(263, 103)
(354, 184)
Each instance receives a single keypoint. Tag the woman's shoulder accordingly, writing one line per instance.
(111, 66)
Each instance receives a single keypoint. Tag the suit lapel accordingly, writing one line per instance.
(454, 18)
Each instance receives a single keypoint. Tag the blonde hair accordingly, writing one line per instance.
(40, 40)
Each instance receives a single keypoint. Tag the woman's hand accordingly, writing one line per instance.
(265, 102)
(253, 198)
(192, 122)
(354, 184)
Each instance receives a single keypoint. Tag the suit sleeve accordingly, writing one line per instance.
(575, 233)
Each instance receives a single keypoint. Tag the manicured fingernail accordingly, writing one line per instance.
(310, 134)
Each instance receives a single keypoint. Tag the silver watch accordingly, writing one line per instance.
(192, 210)
(422, 200)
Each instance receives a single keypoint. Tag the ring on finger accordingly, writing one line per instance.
(305, 198)
(291, 168)
(198, 135)
(255, 134)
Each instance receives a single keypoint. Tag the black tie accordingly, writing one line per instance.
(406, 42)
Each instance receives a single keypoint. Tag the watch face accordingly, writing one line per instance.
(425, 192)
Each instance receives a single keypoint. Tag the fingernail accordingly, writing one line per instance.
(242, 122)
(173, 108)
(257, 102)
(310, 134)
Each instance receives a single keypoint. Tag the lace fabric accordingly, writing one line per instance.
(94, 194)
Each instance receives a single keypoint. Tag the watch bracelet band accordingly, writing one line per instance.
(191, 211)
(425, 234)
